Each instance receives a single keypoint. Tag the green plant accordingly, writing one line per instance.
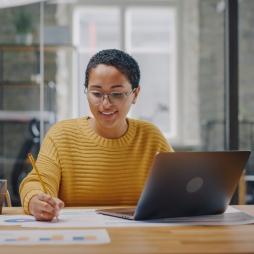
(23, 22)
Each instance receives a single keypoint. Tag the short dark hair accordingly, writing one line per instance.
(122, 61)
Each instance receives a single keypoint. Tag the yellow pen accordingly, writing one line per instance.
(31, 159)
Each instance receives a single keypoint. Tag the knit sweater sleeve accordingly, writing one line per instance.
(49, 167)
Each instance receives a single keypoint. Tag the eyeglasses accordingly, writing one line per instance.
(97, 97)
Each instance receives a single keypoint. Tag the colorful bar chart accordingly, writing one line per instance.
(53, 237)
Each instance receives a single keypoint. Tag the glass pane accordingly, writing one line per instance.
(60, 77)
(19, 92)
(150, 27)
(182, 66)
(246, 89)
(211, 74)
(95, 28)
(155, 89)
(201, 76)
(98, 27)
(83, 104)
(151, 39)
(180, 48)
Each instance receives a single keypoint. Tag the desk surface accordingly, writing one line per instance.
(179, 239)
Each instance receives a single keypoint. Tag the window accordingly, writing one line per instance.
(150, 38)
(149, 35)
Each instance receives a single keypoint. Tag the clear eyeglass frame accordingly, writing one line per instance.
(97, 97)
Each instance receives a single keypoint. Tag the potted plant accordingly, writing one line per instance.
(23, 25)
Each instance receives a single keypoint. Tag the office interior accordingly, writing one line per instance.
(182, 49)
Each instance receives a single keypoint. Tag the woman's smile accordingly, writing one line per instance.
(108, 115)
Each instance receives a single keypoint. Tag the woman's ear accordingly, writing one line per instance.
(137, 90)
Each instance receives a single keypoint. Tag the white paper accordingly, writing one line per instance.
(15, 220)
(53, 237)
(80, 218)
(83, 218)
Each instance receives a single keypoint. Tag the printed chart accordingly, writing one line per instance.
(53, 237)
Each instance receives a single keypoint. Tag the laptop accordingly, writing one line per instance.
(182, 184)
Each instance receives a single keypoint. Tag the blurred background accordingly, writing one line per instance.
(179, 44)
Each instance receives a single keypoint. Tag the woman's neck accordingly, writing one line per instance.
(110, 133)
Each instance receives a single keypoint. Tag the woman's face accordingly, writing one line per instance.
(107, 79)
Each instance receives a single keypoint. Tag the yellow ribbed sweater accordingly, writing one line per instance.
(83, 168)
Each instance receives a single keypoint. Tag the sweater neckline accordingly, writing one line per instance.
(107, 142)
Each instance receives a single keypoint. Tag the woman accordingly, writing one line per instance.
(99, 160)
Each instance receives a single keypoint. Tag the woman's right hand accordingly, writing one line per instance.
(44, 207)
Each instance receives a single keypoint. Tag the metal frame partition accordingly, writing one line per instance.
(231, 85)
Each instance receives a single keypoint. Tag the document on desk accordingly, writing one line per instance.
(81, 218)
(53, 237)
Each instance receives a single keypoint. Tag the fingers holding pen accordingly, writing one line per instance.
(44, 216)
(41, 209)
(48, 200)
(54, 202)
(42, 203)
(59, 203)
(44, 207)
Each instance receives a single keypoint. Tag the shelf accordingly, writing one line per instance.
(26, 116)
(34, 47)
(23, 83)
(249, 178)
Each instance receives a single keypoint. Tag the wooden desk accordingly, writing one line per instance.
(186, 239)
